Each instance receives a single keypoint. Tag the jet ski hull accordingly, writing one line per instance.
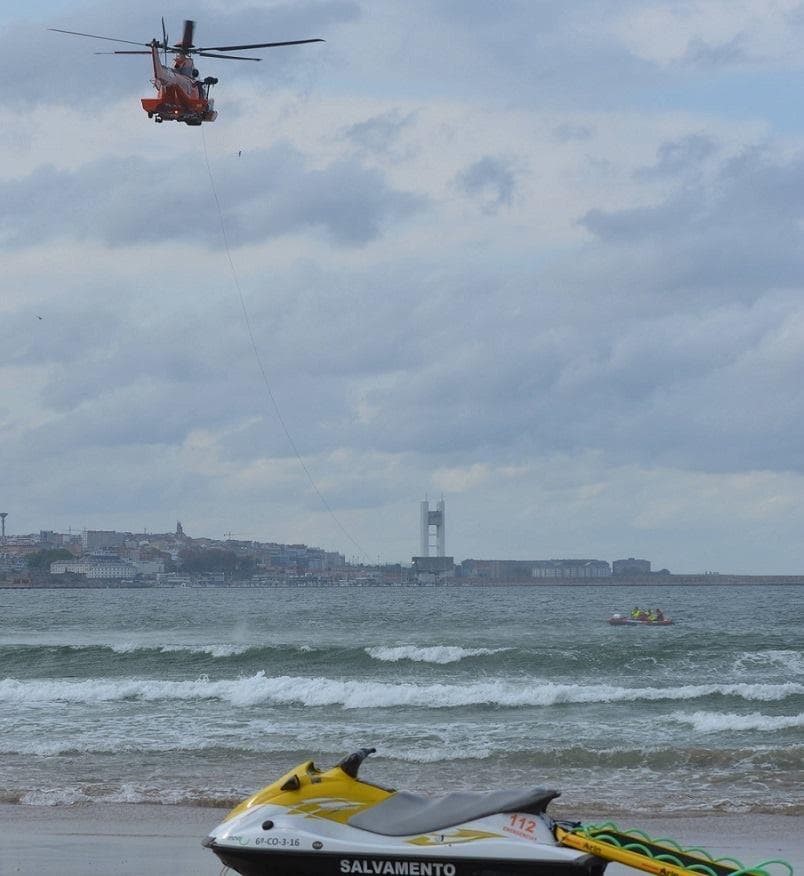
(251, 863)
(274, 840)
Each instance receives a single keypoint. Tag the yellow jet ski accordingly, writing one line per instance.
(330, 823)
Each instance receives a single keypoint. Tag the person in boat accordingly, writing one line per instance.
(659, 615)
(635, 613)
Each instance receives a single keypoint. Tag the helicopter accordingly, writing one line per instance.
(181, 95)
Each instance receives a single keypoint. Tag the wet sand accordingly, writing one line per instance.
(143, 840)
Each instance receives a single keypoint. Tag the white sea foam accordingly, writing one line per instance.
(110, 744)
(719, 722)
(117, 647)
(131, 793)
(132, 646)
(214, 650)
(126, 793)
(55, 797)
(439, 754)
(428, 653)
(353, 694)
(476, 750)
(792, 662)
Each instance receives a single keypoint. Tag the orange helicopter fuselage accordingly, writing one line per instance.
(180, 97)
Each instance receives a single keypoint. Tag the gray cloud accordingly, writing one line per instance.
(669, 389)
(739, 233)
(706, 55)
(542, 54)
(121, 201)
(678, 156)
(638, 222)
(650, 358)
(380, 134)
(491, 180)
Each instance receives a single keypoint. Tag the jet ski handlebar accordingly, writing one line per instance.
(351, 763)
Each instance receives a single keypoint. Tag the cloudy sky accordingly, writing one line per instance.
(543, 258)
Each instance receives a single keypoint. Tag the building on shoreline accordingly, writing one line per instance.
(108, 567)
(629, 567)
(517, 570)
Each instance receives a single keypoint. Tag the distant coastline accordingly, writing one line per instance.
(709, 580)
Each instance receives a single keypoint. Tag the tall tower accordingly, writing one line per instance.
(429, 519)
(3, 515)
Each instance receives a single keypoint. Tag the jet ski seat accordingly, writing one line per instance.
(405, 813)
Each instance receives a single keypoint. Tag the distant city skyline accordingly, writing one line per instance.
(429, 519)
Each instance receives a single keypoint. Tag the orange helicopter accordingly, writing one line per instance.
(181, 95)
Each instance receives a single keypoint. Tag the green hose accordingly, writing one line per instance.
(760, 868)
(610, 833)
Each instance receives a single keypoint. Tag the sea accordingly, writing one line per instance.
(201, 696)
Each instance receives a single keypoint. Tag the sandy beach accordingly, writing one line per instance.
(132, 840)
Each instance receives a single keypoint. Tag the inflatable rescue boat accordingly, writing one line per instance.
(622, 620)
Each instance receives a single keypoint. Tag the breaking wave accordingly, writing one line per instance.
(435, 654)
(318, 691)
(133, 646)
(126, 793)
(517, 760)
(429, 654)
(717, 722)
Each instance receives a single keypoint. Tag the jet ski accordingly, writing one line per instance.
(334, 824)
(331, 823)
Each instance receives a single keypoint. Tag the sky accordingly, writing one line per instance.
(543, 259)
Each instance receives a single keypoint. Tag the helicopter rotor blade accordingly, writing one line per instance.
(164, 39)
(258, 45)
(225, 57)
(123, 52)
(187, 36)
(95, 36)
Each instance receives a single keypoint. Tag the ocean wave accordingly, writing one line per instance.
(133, 647)
(127, 793)
(353, 694)
(438, 654)
(792, 662)
(625, 794)
(428, 653)
(108, 745)
(660, 757)
(219, 650)
(718, 722)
